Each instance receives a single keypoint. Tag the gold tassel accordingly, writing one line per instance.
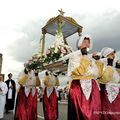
(38, 82)
(57, 82)
(23, 79)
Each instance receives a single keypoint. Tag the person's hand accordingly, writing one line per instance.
(94, 53)
(46, 73)
(84, 51)
(110, 61)
(11, 86)
(25, 71)
(36, 73)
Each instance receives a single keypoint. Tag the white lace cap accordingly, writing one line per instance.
(106, 51)
(82, 38)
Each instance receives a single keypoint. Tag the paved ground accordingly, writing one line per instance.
(8, 116)
(62, 112)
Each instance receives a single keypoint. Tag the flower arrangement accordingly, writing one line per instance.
(35, 63)
(54, 53)
(58, 49)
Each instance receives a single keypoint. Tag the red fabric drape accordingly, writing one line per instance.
(26, 106)
(110, 111)
(81, 109)
(50, 105)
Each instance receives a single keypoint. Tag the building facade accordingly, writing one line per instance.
(1, 59)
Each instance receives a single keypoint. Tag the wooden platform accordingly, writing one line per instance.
(56, 66)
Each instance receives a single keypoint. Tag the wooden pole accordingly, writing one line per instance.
(43, 43)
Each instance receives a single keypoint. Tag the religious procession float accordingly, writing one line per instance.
(50, 59)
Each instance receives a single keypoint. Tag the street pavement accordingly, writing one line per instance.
(62, 112)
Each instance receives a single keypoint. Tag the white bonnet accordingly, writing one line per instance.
(83, 37)
(106, 51)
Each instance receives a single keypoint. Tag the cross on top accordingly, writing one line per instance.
(61, 12)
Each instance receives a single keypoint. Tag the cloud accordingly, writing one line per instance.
(103, 29)
(28, 42)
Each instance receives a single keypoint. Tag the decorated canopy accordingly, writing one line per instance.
(68, 26)
(61, 27)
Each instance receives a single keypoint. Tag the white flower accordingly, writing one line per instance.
(47, 51)
(35, 59)
(61, 55)
(52, 46)
(38, 55)
(63, 50)
(56, 50)
(66, 46)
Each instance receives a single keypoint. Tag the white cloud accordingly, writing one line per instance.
(10, 65)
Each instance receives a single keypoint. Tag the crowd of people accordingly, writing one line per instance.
(94, 90)
(93, 94)
(7, 94)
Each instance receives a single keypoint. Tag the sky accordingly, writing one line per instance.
(21, 22)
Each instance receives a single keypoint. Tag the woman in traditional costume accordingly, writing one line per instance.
(84, 95)
(110, 89)
(50, 99)
(74, 57)
(26, 103)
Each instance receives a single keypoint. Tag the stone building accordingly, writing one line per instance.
(1, 59)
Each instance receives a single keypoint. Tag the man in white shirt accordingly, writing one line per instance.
(3, 91)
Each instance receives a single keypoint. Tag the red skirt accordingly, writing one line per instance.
(26, 106)
(50, 105)
(110, 111)
(81, 109)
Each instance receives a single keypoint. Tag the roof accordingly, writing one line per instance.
(69, 26)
